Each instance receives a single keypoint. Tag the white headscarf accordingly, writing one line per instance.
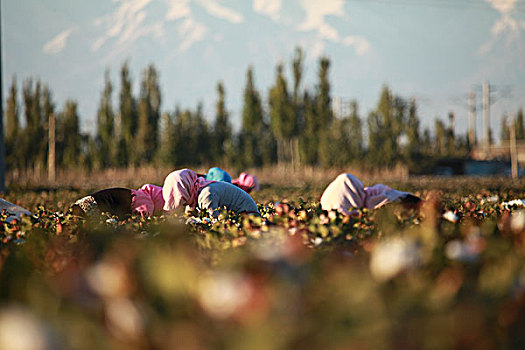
(347, 192)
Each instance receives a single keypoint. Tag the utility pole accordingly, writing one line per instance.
(472, 119)
(51, 152)
(513, 149)
(2, 144)
(486, 116)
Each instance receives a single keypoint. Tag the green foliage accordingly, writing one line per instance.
(33, 136)
(166, 151)
(412, 131)
(252, 112)
(146, 139)
(222, 130)
(128, 116)
(282, 118)
(385, 126)
(323, 97)
(297, 128)
(254, 142)
(520, 126)
(106, 138)
(441, 143)
(309, 140)
(13, 135)
(335, 147)
(191, 140)
(505, 132)
(68, 136)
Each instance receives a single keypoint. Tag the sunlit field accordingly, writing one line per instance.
(450, 275)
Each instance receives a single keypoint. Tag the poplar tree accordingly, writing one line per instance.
(128, 116)
(520, 127)
(335, 143)
(451, 144)
(203, 137)
(106, 140)
(166, 148)
(440, 138)
(297, 68)
(297, 104)
(376, 139)
(47, 107)
(427, 146)
(13, 131)
(505, 131)
(412, 131)
(282, 116)
(309, 141)
(317, 116)
(384, 129)
(34, 131)
(323, 99)
(355, 134)
(146, 140)
(252, 124)
(222, 131)
(186, 140)
(69, 135)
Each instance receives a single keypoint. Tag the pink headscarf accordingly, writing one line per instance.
(147, 200)
(247, 182)
(182, 187)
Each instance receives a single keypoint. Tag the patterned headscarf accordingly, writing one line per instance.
(182, 188)
(88, 206)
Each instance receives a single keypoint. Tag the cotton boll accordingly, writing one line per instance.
(513, 203)
(517, 221)
(108, 279)
(317, 241)
(392, 257)
(457, 250)
(222, 293)
(467, 250)
(450, 216)
(124, 319)
(21, 330)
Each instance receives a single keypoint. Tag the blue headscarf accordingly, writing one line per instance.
(217, 174)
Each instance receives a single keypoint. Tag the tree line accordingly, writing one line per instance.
(291, 123)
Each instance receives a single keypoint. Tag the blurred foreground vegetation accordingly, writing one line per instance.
(449, 276)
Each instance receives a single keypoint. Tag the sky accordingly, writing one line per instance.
(435, 51)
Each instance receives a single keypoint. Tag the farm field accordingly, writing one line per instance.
(451, 275)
